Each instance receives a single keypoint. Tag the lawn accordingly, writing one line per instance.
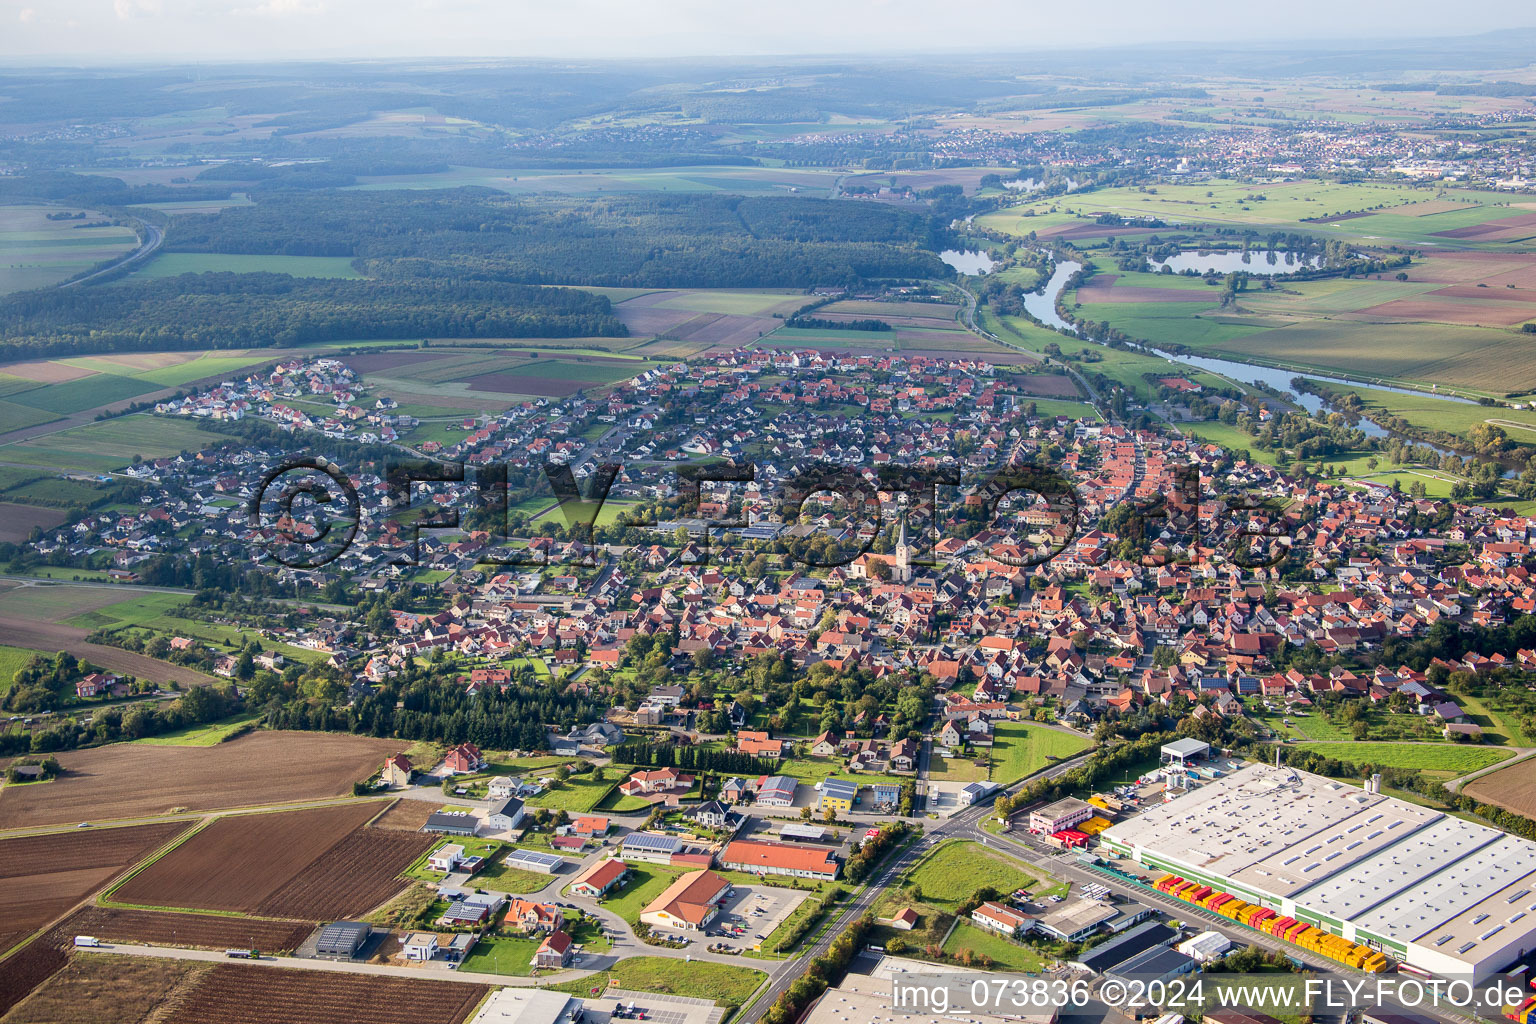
(208, 735)
(647, 882)
(956, 769)
(1023, 748)
(422, 871)
(1453, 758)
(955, 870)
(577, 794)
(1005, 955)
(503, 955)
(723, 984)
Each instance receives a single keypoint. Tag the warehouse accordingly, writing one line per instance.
(1445, 895)
(533, 860)
(340, 940)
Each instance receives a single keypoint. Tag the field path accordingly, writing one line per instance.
(1522, 755)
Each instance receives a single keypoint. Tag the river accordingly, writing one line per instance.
(1042, 307)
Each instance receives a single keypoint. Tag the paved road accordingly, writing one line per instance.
(154, 240)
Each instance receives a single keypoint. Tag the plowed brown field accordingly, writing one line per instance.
(43, 876)
(126, 780)
(239, 861)
(206, 931)
(231, 994)
(351, 878)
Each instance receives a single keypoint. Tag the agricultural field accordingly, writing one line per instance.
(1452, 759)
(1023, 748)
(234, 994)
(1434, 413)
(170, 264)
(13, 660)
(198, 931)
(724, 984)
(111, 445)
(1513, 788)
(30, 967)
(41, 877)
(456, 382)
(955, 870)
(36, 252)
(1391, 212)
(154, 613)
(104, 989)
(356, 875)
(690, 323)
(207, 735)
(264, 766)
(215, 869)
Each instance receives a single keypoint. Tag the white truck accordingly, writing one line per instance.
(83, 941)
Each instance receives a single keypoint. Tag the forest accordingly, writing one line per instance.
(648, 241)
(225, 310)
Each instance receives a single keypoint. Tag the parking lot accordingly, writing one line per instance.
(758, 909)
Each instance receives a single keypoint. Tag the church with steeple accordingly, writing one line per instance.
(903, 552)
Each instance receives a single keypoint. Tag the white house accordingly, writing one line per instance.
(446, 858)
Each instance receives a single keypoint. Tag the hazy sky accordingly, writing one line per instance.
(158, 29)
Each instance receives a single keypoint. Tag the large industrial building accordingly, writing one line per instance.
(1443, 894)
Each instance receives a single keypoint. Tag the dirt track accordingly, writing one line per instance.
(53, 636)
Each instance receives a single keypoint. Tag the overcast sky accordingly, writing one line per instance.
(257, 29)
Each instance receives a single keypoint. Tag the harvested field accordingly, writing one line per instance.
(204, 931)
(1335, 218)
(233, 994)
(523, 384)
(406, 815)
(45, 371)
(1047, 385)
(19, 631)
(238, 862)
(1100, 288)
(131, 779)
(29, 968)
(1500, 294)
(43, 876)
(351, 878)
(1501, 229)
(1426, 208)
(17, 521)
(1469, 313)
(106, 989)
(373, 361)
(1512, 788)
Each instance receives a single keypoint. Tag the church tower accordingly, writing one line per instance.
(902, 570)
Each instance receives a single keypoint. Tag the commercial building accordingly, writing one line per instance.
(341, 940)
(1206, 946)
(529, 1006)
(777, 791)
(1157, 964)
(779, 859)
(867, 997)
(1075, 919)
(452, 823)
(1122, 947)
(1181, 752)
(1445, 895)
(689, 903)
(838, 796)
(600, 879)
(1059, 816)
(533, 860)
(649, 848)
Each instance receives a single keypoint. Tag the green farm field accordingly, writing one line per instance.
(36, 252)
(13, 660)
(111, 444)
(1451, 758)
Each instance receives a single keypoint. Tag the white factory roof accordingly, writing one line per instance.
(1243, 819)
(1405, 865)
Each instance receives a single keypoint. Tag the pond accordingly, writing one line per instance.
(968, 261)
(1261, 263)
